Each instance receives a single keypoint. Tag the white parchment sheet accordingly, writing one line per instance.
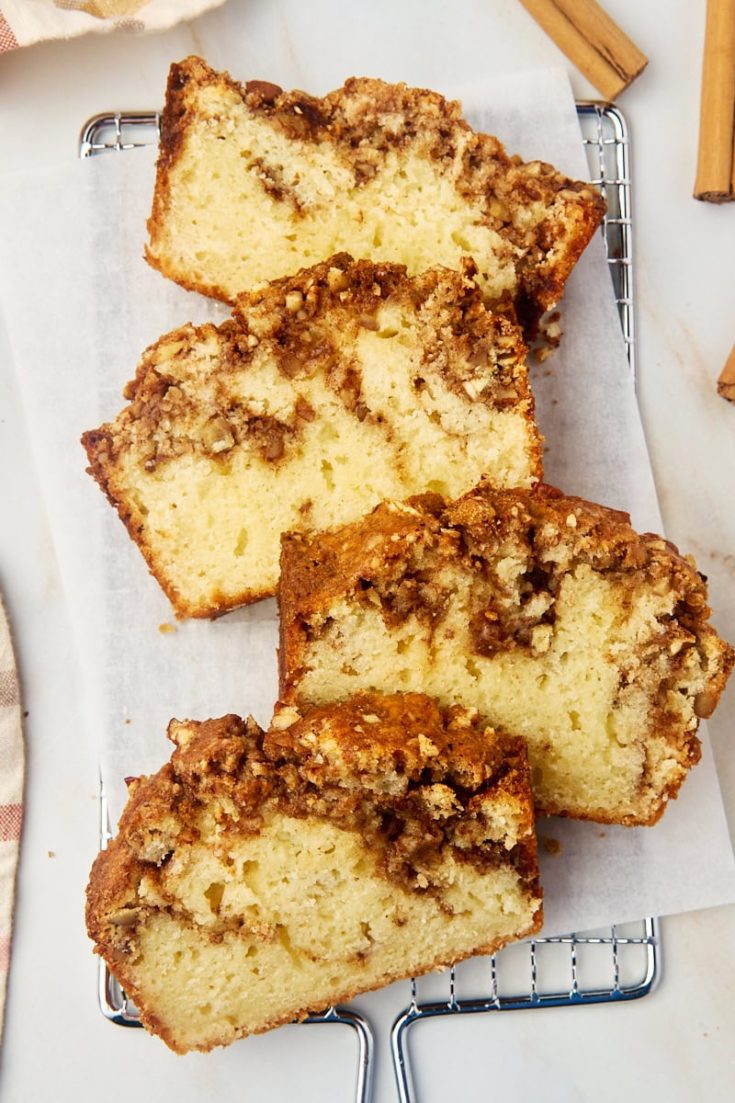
(80, 306)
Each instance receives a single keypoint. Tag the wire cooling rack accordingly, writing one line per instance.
(617, 964)
(607, 145)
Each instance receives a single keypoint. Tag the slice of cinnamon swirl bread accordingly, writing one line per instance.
(258, 877)
(548, 614)
(254, 183)
(345, 384)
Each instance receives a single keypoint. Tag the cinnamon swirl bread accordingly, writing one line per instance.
(547, 613)
(345, 384)
(258, 877)
(254, 183)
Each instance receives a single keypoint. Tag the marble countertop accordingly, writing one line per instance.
(676, 1042)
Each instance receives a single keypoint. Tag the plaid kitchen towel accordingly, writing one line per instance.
(23, 22)
(11, 795)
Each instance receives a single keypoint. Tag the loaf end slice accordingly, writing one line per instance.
(259, 877)
(254, 183)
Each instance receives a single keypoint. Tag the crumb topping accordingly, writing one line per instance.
(397, 553)
(413, 779)
(185, 397)
(344, 849)
(517, 548)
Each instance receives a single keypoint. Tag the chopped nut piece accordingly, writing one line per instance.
(426, 746)
(284, 717)
(337, 279)
(217, 436)
(704, 704)
(541, 637)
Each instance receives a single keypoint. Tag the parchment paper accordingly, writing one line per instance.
(80, 306)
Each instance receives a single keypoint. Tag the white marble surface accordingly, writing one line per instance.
(677, 1042)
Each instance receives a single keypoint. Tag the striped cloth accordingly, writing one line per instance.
(23, 22)
(11, 795)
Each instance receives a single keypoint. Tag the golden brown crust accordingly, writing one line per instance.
(364, 120)
(317, 568)
(349, 762)
(394, 558)
(174, 120)
(411, 777)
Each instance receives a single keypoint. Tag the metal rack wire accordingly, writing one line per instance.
(612, 965)
(607, 145)
(618, 964)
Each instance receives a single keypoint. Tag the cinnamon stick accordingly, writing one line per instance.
(591, 41)
(715, 160)
(726, 382)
